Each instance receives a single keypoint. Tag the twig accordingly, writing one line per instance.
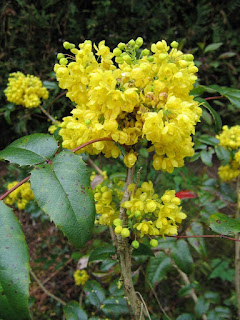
(55, 99)
(47, 114)
(14, 188)
(237, 252)
(187, 282)
(95, 166)
(207, 236)
(46, 290)
(90, 142)
(214, 98)
(144, 304)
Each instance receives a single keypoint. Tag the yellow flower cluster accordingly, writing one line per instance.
(230, 140)
(105, 205)
(131, 99)
(21, 196)
(153, 215)
(80, 277)
(25, 90)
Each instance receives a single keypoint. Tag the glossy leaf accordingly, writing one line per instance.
(62, 190)
(209, 140)
(73, 311)
(223, 154)
(30, 150)
(226, 55)
(102, 253)
(206, 157)
(186, 316)
(157, 268)
(14, 268)
(201, 306)
(233, 95)
(198, 244)
(222, 224)
(215, 115)
(143, 250)
(95, 293)
(182, 256)
(116, 306)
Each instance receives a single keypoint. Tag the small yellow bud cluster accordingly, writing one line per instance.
(105, 206)
(137, 97)
(21, 196)
(54, 127)
(152, 215)
(229, 139)
(80, 277)
(25, 90)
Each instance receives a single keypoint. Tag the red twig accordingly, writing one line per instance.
(207, 236)
(14, 188)
(90, 142)
(214, 98)
(55, 99)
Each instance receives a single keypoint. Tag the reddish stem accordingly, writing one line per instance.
(55, 99)
(214, 98)
(90, 142)
(14, 188)
(207, 236)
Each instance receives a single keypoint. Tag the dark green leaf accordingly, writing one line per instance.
(30, 150)
(222, 270)
(14, 268)
(215, 115)
(207, 117)
(233, 95)
(219, 313)
(115, 290)
(187, 290)
(157, 268)
(62, 190)
(95, 293)
(212, 297)
(206, 157)
(102, 253)
(209, 140)
(213, 46)
(50, 85)
(201, 307)
(198, 244)
(186, 316)
(114, 306)
(182, 256)
(197, 90)
(223, 154)
(143, 250)
(73, 311)
(222, 224)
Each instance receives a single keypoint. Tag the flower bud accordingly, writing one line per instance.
(117, 52)
(118, 229)
(117, 222)
(135, 244)
(174, 44)
(139, 42)
(66, 45)
(131, 43)
(125, 233)
(154, 243)
(121, 46)
(63, 61)
(60, 56)
(145, 52)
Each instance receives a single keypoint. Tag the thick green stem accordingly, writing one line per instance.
(125, 253)
(237, 252)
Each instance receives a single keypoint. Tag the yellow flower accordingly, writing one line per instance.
(21, 196)
(25, 90)
(80, 277)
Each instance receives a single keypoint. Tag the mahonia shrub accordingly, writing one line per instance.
(26, 91)
(229, 139)
(139, 96)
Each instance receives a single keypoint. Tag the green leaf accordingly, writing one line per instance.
(222, 224)
(50, 84)
(95, 293)
(213, 47)
(215, 115)
(182, 256)
(187, 290)
(114, 306)
(14, 268)
(143, 250)
(206, 157)
(62, 190)
(157, 268)
(115, 290)
(227, 55)
(222, 270)
(73, 311)
(186, 316)
(223, 154)
(209, 140)
(30, 150)
(198, 244)
(219, 313)
(212, 297)
(102, 253)
(233, 95)
(201, 307)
